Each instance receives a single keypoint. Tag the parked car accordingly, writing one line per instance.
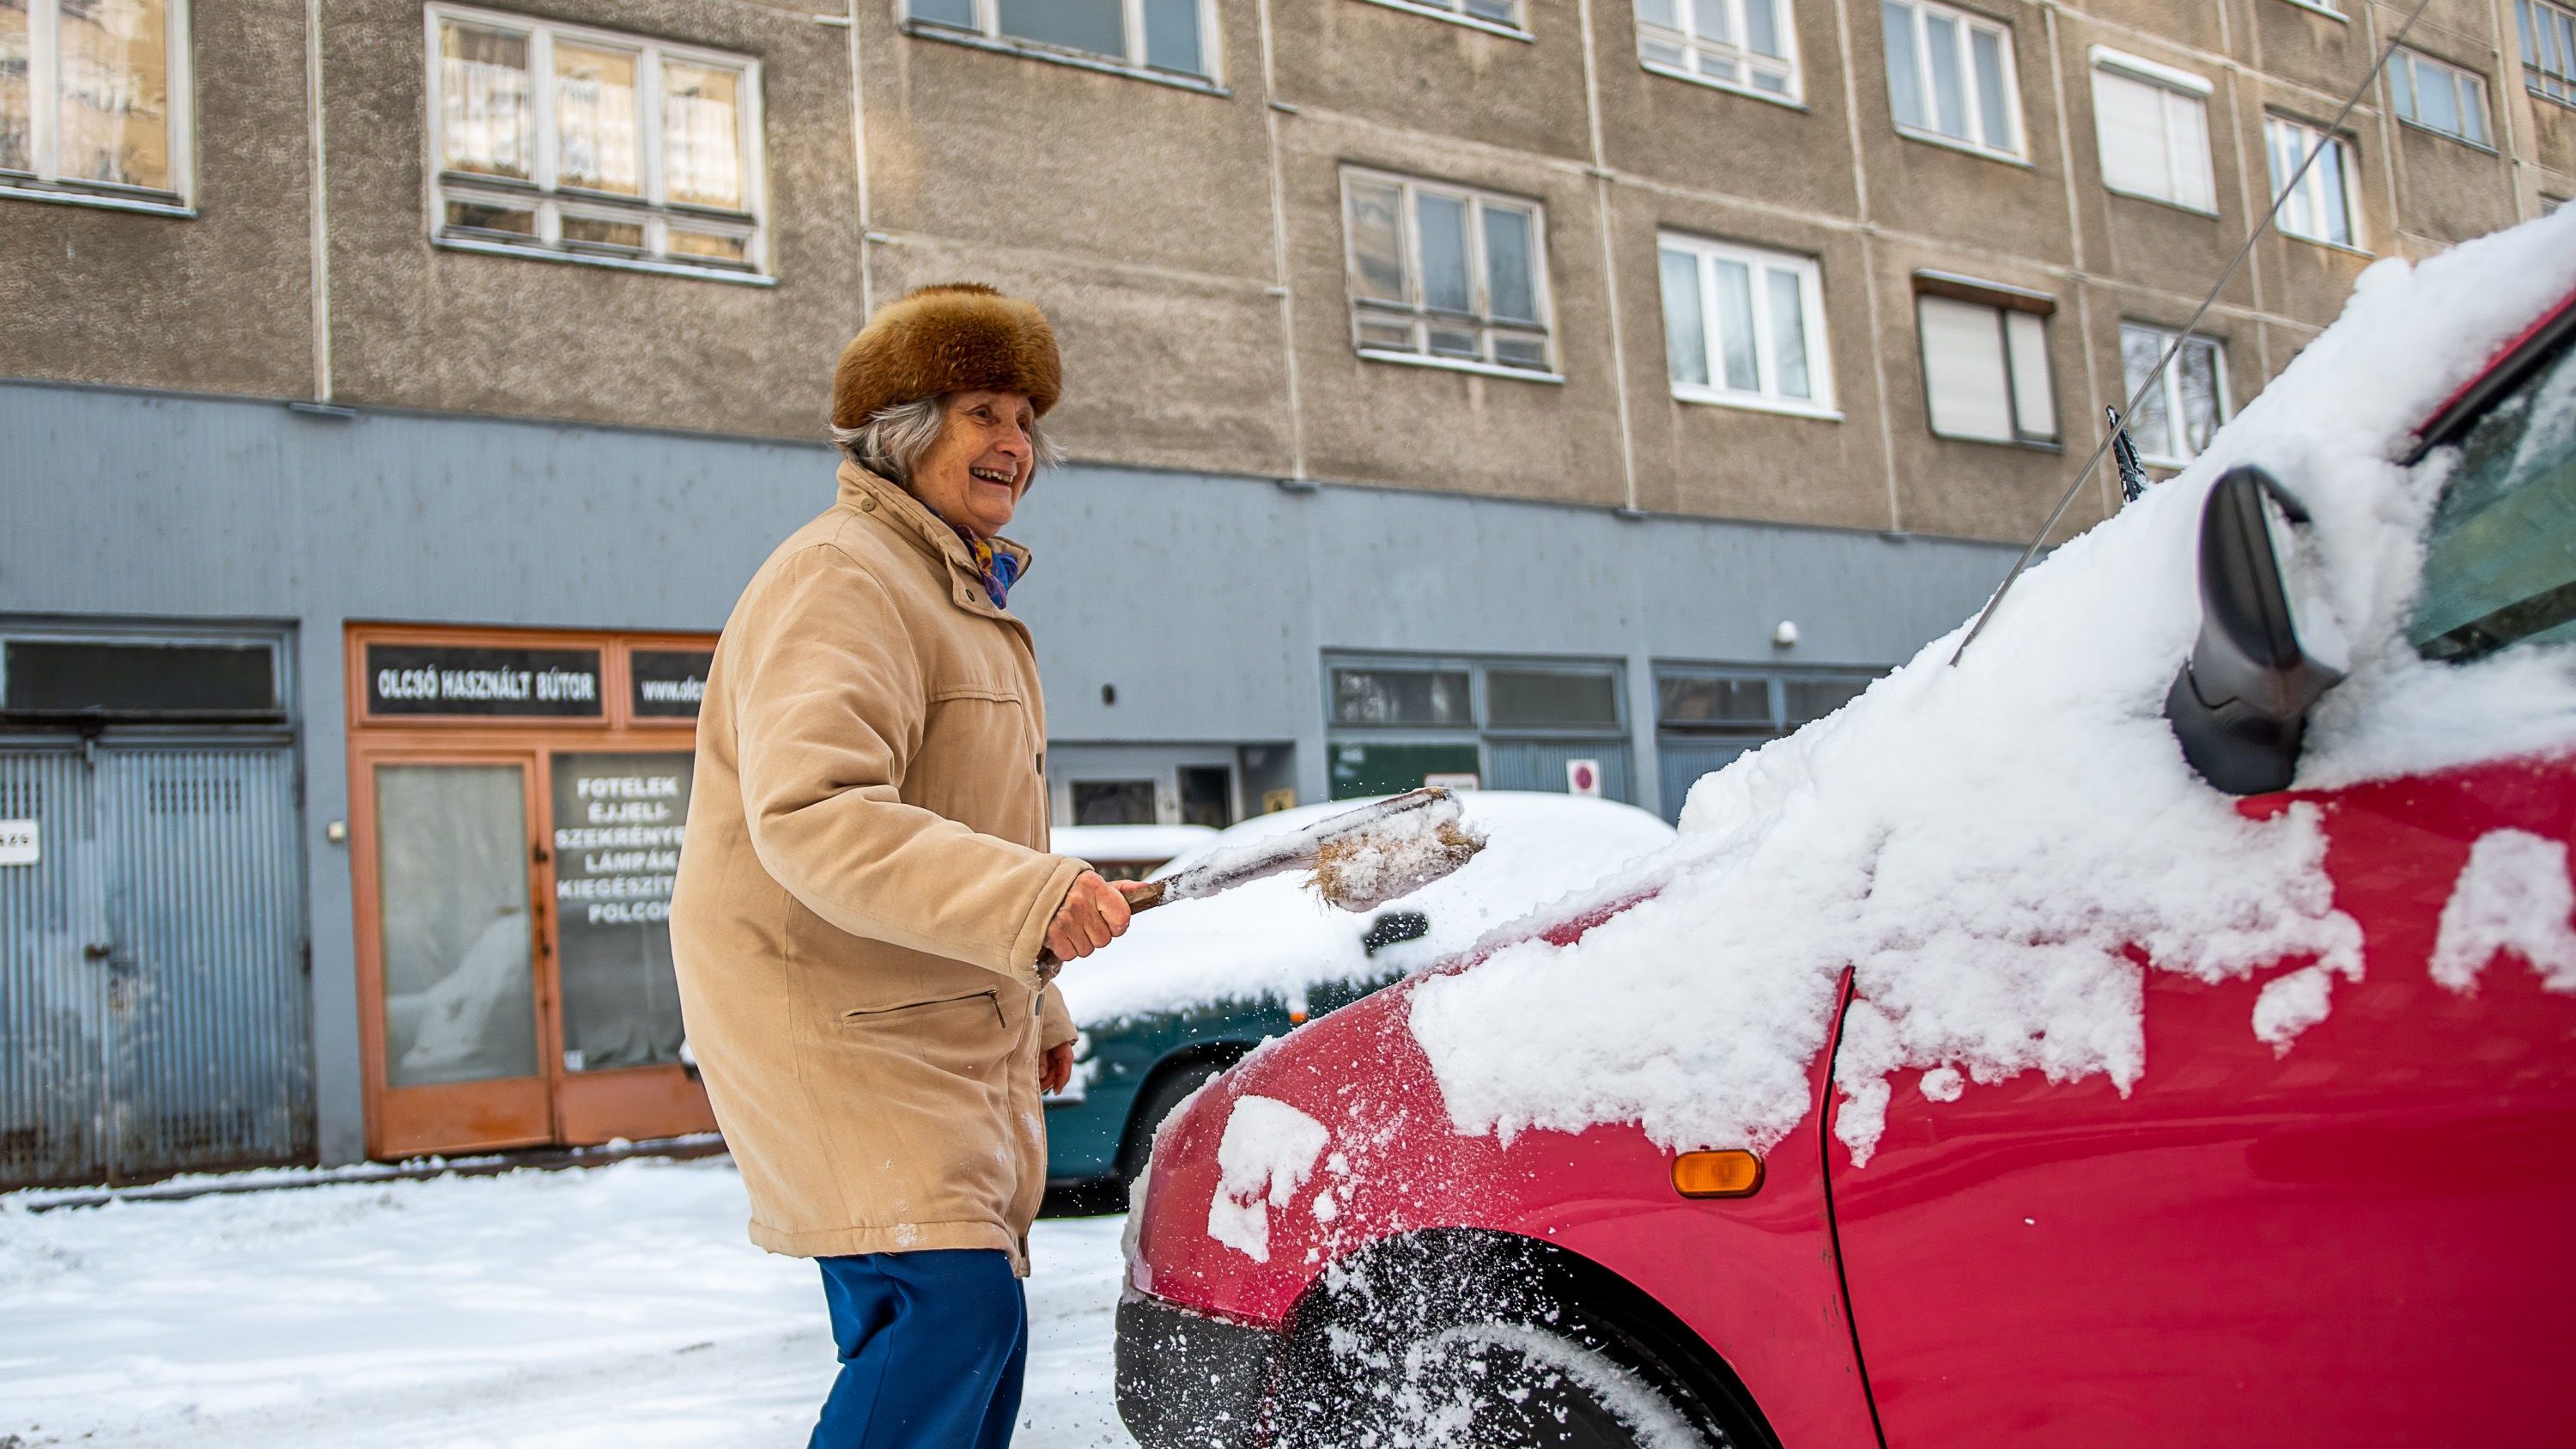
(1194, 985)
(1129, 852)
(2150, 1103)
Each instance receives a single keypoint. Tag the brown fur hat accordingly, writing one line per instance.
(961, 337)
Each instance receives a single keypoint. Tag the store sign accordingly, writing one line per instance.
(618, 819)
(1583, 777)
(451, 680)
(668, 683)
(21, 843)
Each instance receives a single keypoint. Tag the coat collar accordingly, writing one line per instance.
(909, 517)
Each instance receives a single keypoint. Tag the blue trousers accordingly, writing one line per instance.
(933, 1347)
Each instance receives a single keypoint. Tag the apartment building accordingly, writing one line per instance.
(1542, 392)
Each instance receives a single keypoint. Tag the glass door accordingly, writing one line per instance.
(460, 1027)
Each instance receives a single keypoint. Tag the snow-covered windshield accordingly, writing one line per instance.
(1984, 845)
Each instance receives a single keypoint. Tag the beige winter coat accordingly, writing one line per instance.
(865, 888)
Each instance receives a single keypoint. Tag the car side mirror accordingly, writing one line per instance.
(1394, 927)
(2240, 703)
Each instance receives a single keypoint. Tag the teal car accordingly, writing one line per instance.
(1193, 986)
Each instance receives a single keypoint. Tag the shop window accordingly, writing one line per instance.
(1950, 77)
(618, 820)
(588, 145)
(1745, 327)
(1737, 45)
(1551, 698)
(2438, 97)
(1113, 802)
(94, 101)
(1207, 796)
(2183, 411)
(1985, 362)
(1399, 696)
(60, 677)
(2319, 205)
(1145, 35)
(1708, 715)
(459, 993)
(2152, 122)
(1445, 274)
(1498, 725)
(2548, 50)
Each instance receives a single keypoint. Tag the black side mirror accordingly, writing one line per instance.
(2240, 705)
(1392, 927)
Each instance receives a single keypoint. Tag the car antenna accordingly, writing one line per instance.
(2124, 456)
(2174, 347)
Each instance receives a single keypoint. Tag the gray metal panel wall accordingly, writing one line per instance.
(1208, 600)
(53, 1000)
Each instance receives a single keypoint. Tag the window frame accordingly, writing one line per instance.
(1419, 314)
(2346, 158)
(987, 33)
(1688, 39)
(1455, 13)
(2003, 301)
(2538, 78)
(2169, 388)
(2468, 95)
(542, 194)
(2170, 85)
(45, 181)
(1822, 403)
(1479, 730)
(1971, 97)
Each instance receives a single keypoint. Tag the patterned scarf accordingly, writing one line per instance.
(998, 570)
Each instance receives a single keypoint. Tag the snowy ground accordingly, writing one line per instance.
(619, 1306)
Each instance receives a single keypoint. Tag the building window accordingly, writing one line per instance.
(2183, 411)
(2319, 208)
(1985, 361)
(2153, 124)
(2438, 97)
(2548, 50)
(1707, 715)
(1950, 77)
(592, 146)
(1163, 35)
(1486, 14)
(1745, 327)
(1499, 724)
(1445, 273)
(94, 99)
(1742, 45)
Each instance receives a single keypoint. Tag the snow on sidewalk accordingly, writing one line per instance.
(618, 1306)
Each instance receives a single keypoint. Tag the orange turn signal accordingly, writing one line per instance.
(1731, 1173)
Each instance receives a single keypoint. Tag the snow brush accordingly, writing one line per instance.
(1358, 860)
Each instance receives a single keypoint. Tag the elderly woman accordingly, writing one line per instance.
(865, 890)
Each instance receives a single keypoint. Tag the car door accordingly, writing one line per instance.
(2362, 1239)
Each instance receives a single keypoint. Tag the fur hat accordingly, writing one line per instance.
(962, 337)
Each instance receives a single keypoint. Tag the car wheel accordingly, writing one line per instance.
(1161, 1097)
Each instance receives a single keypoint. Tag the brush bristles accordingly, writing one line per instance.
(1369, 869)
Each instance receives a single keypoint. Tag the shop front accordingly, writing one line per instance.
(516, 804)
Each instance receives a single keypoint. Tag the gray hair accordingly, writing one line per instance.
(894, 438)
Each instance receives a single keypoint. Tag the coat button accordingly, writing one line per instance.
(867, 504)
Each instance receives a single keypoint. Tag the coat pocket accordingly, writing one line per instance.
(873, 1015)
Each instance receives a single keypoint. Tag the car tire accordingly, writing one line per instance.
(1428, 1360)
(1161, 1098)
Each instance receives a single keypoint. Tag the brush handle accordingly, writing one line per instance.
(1144, 900)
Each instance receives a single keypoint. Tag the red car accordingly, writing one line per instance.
(2364, 1236)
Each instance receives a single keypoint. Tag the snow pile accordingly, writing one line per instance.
(1273, 938)
(1267, 1153)
(2513, 895)
(1989, 847)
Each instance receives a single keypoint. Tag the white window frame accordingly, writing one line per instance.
(1689, 42)
(2548, 34)
(44, 120)
(988, 29)
(1968, 21)
(2468, 95)
(1999, 300)
(1455, 12)
(2173, 87)
(1766, 396)
(2169, 388)
(1410, 190)
(540, 191)
(2312, 182)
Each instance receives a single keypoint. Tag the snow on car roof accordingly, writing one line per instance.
(1982, 844)
(1157, 843)
(1274, 938)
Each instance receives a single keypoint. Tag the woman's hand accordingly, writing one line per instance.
(1055, 1068)
(1094, 913)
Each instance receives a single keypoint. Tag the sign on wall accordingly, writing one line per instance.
(668, 683)
(475, 680)
(21, 842)
(1583, 777)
